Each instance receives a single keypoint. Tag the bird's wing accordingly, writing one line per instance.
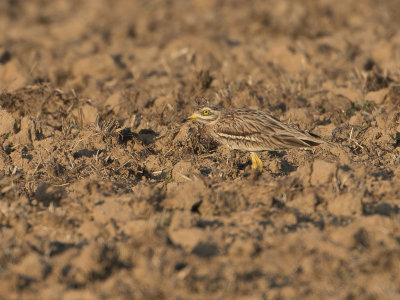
(249, 124)
(246, 123)
(295, 138)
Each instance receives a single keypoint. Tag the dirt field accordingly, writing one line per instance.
(136, 205)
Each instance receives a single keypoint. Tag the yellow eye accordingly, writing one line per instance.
(206, 112)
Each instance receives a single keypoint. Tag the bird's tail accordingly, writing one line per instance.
(312, 140)
(303, 140)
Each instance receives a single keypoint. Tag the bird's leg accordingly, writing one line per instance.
(256, 163)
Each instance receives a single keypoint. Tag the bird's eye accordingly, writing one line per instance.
(206, 112)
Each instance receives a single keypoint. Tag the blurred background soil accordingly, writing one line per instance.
(105, 194)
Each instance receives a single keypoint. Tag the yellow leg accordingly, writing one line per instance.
(256, 163)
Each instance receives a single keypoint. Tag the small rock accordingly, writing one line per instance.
(181, 171)
(164, 103)
(46, 194)
(356, 120)
(33, 266)
(288, 292)
(303, 173)
(323, 172)
(12, 76)
(324, 130)
(385, 209)
(205, 250)
(112, 208)
(95, 260)
(382, 121)
(188, 238)
(114, 102)
(291, 62)
(182, 219)
(378, 97)
(30, 131)
(354, 95)
(284, 220)
(345, 205)
(7, 122)
(299, 114)
(304, 203)
(361, 238)
(99, 66)
(342, 103)
(90, 229)
(394, 93)
(185, 195)
(89, 113)
(243, 248)
(139, 228)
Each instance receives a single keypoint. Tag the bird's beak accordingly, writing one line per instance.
(192, 117)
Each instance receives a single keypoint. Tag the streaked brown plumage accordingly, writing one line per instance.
(252, 130)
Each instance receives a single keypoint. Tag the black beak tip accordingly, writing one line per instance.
(184, 120)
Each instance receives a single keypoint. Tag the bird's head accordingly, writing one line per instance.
(205, 115)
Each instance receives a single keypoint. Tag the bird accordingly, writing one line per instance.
(251, 130)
